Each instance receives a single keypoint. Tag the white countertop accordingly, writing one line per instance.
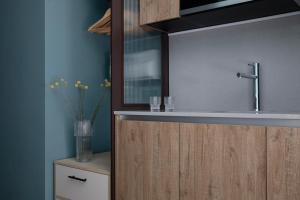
(235, 115)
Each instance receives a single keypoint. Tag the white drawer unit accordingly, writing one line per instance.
(83, 181)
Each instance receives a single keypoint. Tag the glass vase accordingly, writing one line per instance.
(83, 132)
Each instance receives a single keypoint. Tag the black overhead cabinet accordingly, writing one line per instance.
(198, 14)
(194, 6)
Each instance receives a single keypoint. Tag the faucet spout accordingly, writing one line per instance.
(242, 75)
(255, 77)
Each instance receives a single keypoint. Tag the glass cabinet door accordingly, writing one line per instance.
(142, 58)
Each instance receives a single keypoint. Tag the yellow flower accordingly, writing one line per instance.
(78, 82)
(52, 86)
(106, 83)
(76, 85)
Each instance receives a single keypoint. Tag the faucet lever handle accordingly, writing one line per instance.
(253, 64)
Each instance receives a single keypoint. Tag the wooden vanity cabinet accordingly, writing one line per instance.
(283, 163)
(222, 162)
(191, 161)
(158, 10)
(147, 160)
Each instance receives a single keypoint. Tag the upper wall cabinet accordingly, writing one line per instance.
(158, 10)
(142, 58)
(180, 15)
(139, 58)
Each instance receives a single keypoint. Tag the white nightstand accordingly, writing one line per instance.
(83, 181)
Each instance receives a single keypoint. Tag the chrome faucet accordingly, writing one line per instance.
(255, 77)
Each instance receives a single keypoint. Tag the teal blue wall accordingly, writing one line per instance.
(73, 53)
(22, 100)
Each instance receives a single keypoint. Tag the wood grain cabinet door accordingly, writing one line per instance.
(222, 162)
(283, 163)
(147, 160)
(152, 11)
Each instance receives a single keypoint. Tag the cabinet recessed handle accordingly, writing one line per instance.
(77, 179)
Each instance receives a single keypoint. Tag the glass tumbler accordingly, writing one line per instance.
(169, 104)
(155, 104)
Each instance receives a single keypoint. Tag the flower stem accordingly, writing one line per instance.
(80, 104)
(97, 108)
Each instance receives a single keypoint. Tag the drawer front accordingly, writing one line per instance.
(75, 184)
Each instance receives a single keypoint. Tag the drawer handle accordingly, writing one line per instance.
(77, 179)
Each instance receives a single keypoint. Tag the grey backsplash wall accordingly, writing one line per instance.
(203, 66)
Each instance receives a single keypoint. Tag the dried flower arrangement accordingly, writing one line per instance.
(78, 112)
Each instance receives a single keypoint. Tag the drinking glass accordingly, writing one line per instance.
(155, 104)
(169, 104)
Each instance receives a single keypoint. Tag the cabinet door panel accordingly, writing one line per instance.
(142, 67)
(158, 10)
(222, 162)
(283, 163)
(147, 160)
